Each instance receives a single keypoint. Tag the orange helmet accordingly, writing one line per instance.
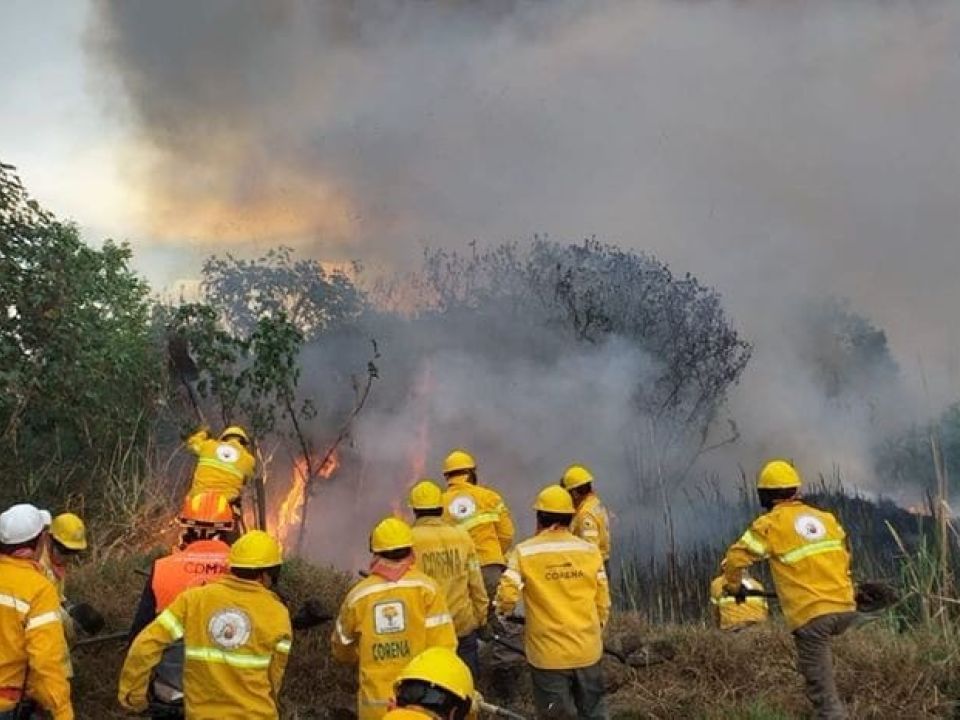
(207, 510)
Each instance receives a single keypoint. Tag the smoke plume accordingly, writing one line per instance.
(778, 151)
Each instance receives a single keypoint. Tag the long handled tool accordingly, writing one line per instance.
(506, 644)
(183, 366)
(871, 595)
(497, 711)
(100, 639)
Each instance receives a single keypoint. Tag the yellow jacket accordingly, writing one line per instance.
(31, 635)
(222, 467)
(383, 625)
(566, 597)
(448, 555)
(236, 636)
(808, 558)
(730, 613)
(480, 511)
(593, 524)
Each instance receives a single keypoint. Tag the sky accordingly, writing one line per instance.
(52, 128)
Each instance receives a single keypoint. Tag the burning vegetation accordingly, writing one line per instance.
(289, 514)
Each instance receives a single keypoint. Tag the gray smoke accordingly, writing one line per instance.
(778, 151)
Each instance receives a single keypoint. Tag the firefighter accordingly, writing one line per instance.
(34, 648)
(592, 523)
(810, 564)
(236, 636)
(564, 589)
(65, 539)
(481, 512)
(389, 617)
(224, 465)
(447, 554)
(733, 616)
(63, 542)
(201, 557)
(435, 684)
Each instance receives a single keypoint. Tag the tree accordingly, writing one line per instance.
(907, 459)
(848, 355)
(594, 292)
(79, 369)
(313, 298)
(242, 350)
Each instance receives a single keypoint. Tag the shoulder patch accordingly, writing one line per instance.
(230, 628)
(227, 453)
(809, 527)
(389, 617)
(462, 507)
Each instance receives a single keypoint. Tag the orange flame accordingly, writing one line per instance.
(290, 514)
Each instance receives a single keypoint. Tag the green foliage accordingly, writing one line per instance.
(79, 371)
(251, 378)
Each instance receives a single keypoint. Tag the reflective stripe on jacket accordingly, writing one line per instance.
(730, 613)
(480, 511)
(383, 625)
(564, 588)
(222, 467)
(808, 558)
(236, 637)
(592, 523)
(448, 555)
(31, 634)
(197, 564)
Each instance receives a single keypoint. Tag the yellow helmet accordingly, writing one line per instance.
(235, 431)
(458, 461)
(254, 550)
(554, 499)
(439, 666)
(69, 530)
(426, 495)
(575, 476)
(778, 475)
(390, 534)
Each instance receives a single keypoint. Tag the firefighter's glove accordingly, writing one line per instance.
(188, 431)
(741, 594)
(87, 618)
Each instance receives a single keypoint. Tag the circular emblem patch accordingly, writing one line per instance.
(462, 507)
(227, 453)
(810, 527)
(229, 628)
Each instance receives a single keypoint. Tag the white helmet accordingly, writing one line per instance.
(22, 523)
